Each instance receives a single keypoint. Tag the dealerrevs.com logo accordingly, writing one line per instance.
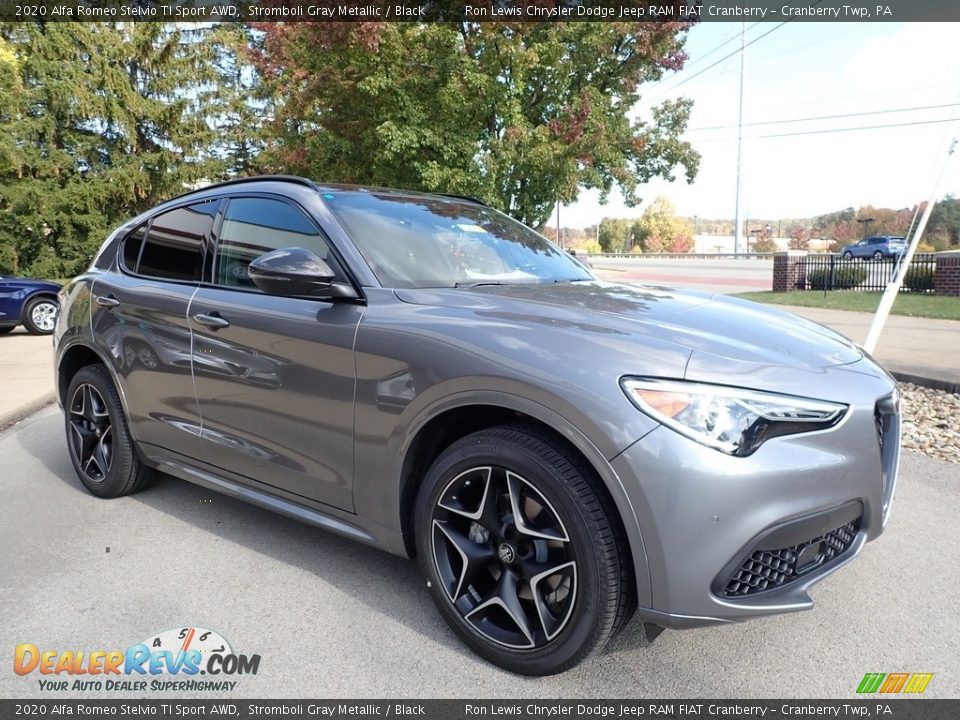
(169, 661)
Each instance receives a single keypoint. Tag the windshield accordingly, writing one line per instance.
(421, 242)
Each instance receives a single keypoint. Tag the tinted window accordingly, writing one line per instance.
(131, 248)
(174, 246)
(254, 226)
(424, 241)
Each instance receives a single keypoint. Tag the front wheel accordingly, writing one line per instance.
(40, 315)
(878, 255)
(524, 552)
(847, 255)
(6, 330)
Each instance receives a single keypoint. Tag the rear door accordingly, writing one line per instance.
(140, 323)
(274, 375)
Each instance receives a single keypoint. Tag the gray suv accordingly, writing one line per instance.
(426, 375)
(878, 248)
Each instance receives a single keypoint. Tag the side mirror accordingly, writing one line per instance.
(295, 271)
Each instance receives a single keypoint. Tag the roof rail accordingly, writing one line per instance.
(455, 196)
(252, 178)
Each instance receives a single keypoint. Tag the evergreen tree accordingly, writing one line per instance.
(106, 121)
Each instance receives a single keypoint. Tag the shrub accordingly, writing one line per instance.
(919, 279)
(844, 277)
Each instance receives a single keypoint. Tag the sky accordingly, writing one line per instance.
(803, 70)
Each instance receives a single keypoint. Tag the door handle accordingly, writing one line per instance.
(107, 301)
(211, 320)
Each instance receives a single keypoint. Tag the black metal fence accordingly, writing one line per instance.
(833, 272)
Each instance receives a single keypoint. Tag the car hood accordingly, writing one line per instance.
(29, 284)
(716, 330)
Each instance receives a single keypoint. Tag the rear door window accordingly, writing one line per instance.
(175, 242)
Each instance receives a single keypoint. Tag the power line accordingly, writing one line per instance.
(728, 55)
(826, 117)
(824, 131)
(851, 129)
(721, 60)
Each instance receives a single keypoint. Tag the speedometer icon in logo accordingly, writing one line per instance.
(184, 639)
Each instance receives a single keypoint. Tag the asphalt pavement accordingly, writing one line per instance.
(26, 375)
(332, 618)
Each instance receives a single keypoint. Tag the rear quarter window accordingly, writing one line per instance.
(174, 243)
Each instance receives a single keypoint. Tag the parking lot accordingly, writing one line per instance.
(331, 618)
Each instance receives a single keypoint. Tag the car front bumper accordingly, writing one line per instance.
(730, 538)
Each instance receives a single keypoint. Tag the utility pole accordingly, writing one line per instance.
(559, 241)
(738, 230)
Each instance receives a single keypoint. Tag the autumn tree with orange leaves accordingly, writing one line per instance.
(517, 114)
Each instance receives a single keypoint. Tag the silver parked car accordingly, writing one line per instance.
(424, 374)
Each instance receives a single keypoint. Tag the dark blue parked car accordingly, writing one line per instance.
(31, 303)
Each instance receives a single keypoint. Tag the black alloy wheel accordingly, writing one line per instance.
(524, 551)
(91, 432)
(98, 438)
(504, 557)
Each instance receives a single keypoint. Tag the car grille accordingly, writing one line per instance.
(766, 570)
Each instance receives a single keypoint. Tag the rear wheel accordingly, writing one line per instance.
(525, 555)
(101, 448)
(40, 315)
(878, 255)
(6, 330)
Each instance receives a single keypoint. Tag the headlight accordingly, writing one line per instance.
(732, 420)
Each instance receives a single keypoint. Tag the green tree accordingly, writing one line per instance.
(518, 114)
(943, 228)
(661, 230)
(108, 119)
(615, 235)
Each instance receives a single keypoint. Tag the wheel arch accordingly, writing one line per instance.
(76, 357)
(458, 418)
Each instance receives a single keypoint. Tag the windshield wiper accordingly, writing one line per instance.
(477, 283)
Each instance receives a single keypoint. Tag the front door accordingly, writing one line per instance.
(274, 375)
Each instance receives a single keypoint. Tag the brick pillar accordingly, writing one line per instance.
(789, 270)
(946, 278)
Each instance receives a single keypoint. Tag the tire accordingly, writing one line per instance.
(878, 255)
(7, 330)
(40, 315)
(98, 439)
(563, 568)
(848, 255)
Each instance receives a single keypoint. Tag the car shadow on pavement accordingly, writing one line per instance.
(360, 571)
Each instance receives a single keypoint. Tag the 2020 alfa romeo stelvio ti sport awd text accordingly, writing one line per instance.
(424, 374)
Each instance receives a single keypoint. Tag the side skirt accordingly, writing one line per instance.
(322, 516)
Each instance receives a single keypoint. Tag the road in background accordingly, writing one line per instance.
(722, 276)
(332, 618)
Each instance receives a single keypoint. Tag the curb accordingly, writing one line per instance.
(26, 410)
(933, 384)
